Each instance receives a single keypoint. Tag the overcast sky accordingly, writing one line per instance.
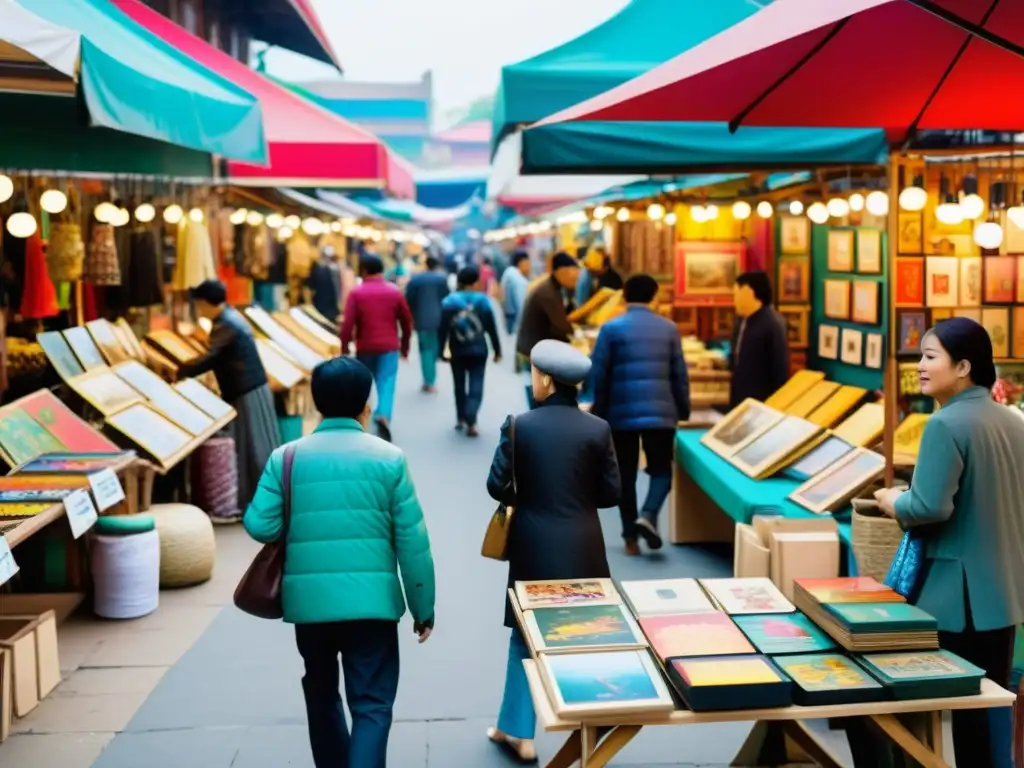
(464, 42)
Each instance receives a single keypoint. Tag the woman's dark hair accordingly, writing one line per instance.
(468, 276)
(640, 289)
(211, 291)
(759, 283)
(964, 339)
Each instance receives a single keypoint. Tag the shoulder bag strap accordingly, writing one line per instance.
(286, 490)
(512, 440)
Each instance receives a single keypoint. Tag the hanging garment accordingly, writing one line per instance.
(102, 266)
(195, 256)
(278, 273)
(12, 269)
(145, 288)
(39, 299)
(116, 296)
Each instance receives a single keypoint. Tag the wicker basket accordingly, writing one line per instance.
(187, 544)
(875, 541)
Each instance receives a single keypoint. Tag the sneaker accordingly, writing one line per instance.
(460, 426)
(649, 532)
(632, 548)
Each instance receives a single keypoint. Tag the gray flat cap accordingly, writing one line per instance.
(561, 361)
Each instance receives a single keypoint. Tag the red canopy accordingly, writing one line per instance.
(895, 64)
(309, 145)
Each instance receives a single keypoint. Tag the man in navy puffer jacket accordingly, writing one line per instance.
(638, 383)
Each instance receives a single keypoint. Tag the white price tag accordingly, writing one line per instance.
(81, 512)
(7, 565)
(106, 489)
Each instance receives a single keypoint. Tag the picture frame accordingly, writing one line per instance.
(686, 320)
(798, 321)
(60, 355)
(1017, 349)
(909, 280)
(911, 326)
(165, 398)
(105, 392)
(840, 250)
(85, 349)
(795, 235)
(302, 355)
(942, 277)
(741, 425)
(531, 595)
(23, 438)
(326, 349)
(204, 399)
(866, 302)
(938, 314)
(706, 271)
(129, 340)
(840, 482)
(102, 332)
(996, 320)
(869, 251)
(794, 280)
(637, 685)
(60, 421)
(837, 299)
(828, 342)
(172, 345)
(971, 281)
(311, 326)
(279, 367)
(149, 430)
(1020, 279)
(723, 321)
(610, 627)
(773, 445)
(1013, 241)
(852, 346)
(1000, 280)
(825, 454)
(911, 233)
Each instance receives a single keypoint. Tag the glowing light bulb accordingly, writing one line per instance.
(622, 214)
(877, 203)
(173, 213)
(656, 212)
(238, 216)
(284, 232)
(145, 213)
(121, 218)
(950, 214)
(741, 210)
(53, 201)
(670, 219)
(796, 208)
(988, 235)
(1016, 215)
(913, 199)
(856, 202)
(293, 221)
(335, 227)
(6, 188)
(972, 206)
(105, 212)
(818, 213)
(603, 212)
(838, 208)
(596, 225)
(765, 209)
(712, 212)
(196, 215)
(275, 220)
(698, 213)
(314, 227)
(254, 218)
(22, 225)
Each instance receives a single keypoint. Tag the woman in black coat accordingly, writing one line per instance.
(565, 470)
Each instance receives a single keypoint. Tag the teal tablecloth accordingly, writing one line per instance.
(739, 496)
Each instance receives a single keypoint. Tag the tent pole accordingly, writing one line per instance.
(891, 384)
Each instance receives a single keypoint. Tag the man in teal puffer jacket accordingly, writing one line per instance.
(355, 523)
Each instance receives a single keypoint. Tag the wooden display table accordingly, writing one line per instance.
(915, 726)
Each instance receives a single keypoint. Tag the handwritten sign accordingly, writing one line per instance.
(106, 489)
(7, 565)
(81, 512)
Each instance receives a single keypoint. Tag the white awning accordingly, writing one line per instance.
(55, 46)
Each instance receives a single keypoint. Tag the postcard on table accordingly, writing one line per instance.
(694, 634)
(658, 597)
(752, 595)
(826, 672)
(784, 633)
(592, 683)
(542, 594)
(579, 627)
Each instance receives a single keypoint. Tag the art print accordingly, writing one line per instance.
(910, 282)
(869, 251)
(23, 438)
(795, 233)
(694, 634)
(151, 431)
(852, 343)
(777, 441)
(840, 250)
(63, 424)
(837, 299)
(747, 595)
(797, 325)
(911, 239)
(874, 350)
(85, 349)
(709, 270)
(544, 594)
(826, 672)
(1000, 280)
(866, 302)
(657, 597)
(794, 280)
(165, 398)
(828, 342)
(912, 327)
(996, 320)
(206, 400)
(105, 392)
(942, 274)
(921, 665)
(970, 281)
(746, 421)
(60, 355)
(612, 681)
(784, 633)
(750, 670)
(582, 626)
(102, 333)
(840, 482)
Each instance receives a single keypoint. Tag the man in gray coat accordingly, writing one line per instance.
(424, 294)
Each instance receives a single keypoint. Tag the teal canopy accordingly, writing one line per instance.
(644, 34)
(133, 82)
(651, 148)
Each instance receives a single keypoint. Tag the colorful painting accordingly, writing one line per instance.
(883, 617)
(784, 633)
(726, 671)
(912, 326)
(942, 275)
(62, 423)
(970, 281)
(910, 282)
(151, 431)
(743, 423)
(865, 302)
(543, 594)
(910, 230)
(23, 438)
(102, 332)
(595, 682)
(1000, 280)
(849, 589)
(73, 463)
(657, 597)
(750, 595)
(772, 446)
(869, 251)
(706, 271)
(840, 250)
(794, 280)
(694, 634)
(918, 665)
(996, 320)
(85, 348)
(51, 495)
(18, 511)
(840, 483)
(797, 325)
(837, 299)
(826, 672)
(582, 626)
(58, 352)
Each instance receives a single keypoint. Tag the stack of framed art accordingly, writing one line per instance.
(793, 269)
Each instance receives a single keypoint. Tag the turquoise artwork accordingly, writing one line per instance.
(882, 617)
(784, 633)
(592, 678)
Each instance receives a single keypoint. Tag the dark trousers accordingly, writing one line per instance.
(658, 447)
(468, 375)
(510, 322)
(369, 659)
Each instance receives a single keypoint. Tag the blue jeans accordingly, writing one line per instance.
(429, 351)
(369, 659)
(468, 374)
(510, 322)
(517, 717)
(384, 367)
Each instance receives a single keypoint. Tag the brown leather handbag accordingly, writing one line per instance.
(259, 591)
(496, 537)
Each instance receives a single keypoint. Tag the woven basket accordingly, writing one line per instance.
(875, 541)
(187, 544)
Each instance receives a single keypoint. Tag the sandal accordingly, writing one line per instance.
(511, 747)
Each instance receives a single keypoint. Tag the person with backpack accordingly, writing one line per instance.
(466, 322)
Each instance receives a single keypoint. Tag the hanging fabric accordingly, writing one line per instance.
(195, 256)
(39, 298)
(65, 250)
(102, 266)
(145, 287)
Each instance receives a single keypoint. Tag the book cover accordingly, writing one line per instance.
(784, 633)
(23, 438)
(63, 424)
(72, 463)
(820, 672)
(51, 495)
(544, 594)
(850, 589)
(919, 666)
(42, 482)
(694, 634)
(752, 595)
(19, 511)
(581, 626)
(726, 671)
(601, 678)
(666, 596)
(882, 617)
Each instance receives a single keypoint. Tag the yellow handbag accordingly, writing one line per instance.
(496, 537)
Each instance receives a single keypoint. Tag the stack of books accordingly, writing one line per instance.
(862, 615)
(925, 675)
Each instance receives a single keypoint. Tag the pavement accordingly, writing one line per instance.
(199, 684)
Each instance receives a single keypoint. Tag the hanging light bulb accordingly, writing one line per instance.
(312, 226)
(655, 212)
(818, 213)
(796, 208)
(293, 221)
(196, 215)
(856, 202)
(22, 225)
(698, 213)
(914, 198)
(53, 201)
(838, 208)
(1015, 214)
(765, 209)
(972, 205)
(105, 212)
(275, 220)
(596, 225)
(622, 214)
(603, 212)
(712, 212)
(145, 213)
(6, 188)
(238, 216)
(284, 232)
(988, 235)
(741, 210)
(121, 218)
(877, 203)
(173, 213)
(335, 227)
(950, 213)
(670, 219)
(254, 218)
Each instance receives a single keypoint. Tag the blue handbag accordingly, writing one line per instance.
(907, 567)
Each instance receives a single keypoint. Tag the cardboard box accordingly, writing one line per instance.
(803, 555)
(6, 701)
(17, 634)
(47, 654)
(63, 604)
(751, 557)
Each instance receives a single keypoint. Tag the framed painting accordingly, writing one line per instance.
(206, 400)
(795, 233)
(911, 233)
(874, 350)
(942, 275)
(970, 281)
(292, 347)
(85, 349)
(939, 314)
(741, 425)
(840, 482)
(22, 438)
(686, 320)
(794, 280)
(58, 352)
(165, 398)
(840, 250)
(972, 313)
(173, 345)
(1000, 286)
(909, 275)
(62, 423)
(911, 326)
(105, 392)
(869, 251)
(852, 346)
(707, 271)
(1018, 333)
(1020, 279)
(603, 684)
(996, 320)
(866, 302)
(837, 299)
(723, 321)
(797, 325)
(152, 432)
(102, 332)
(828, 342)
